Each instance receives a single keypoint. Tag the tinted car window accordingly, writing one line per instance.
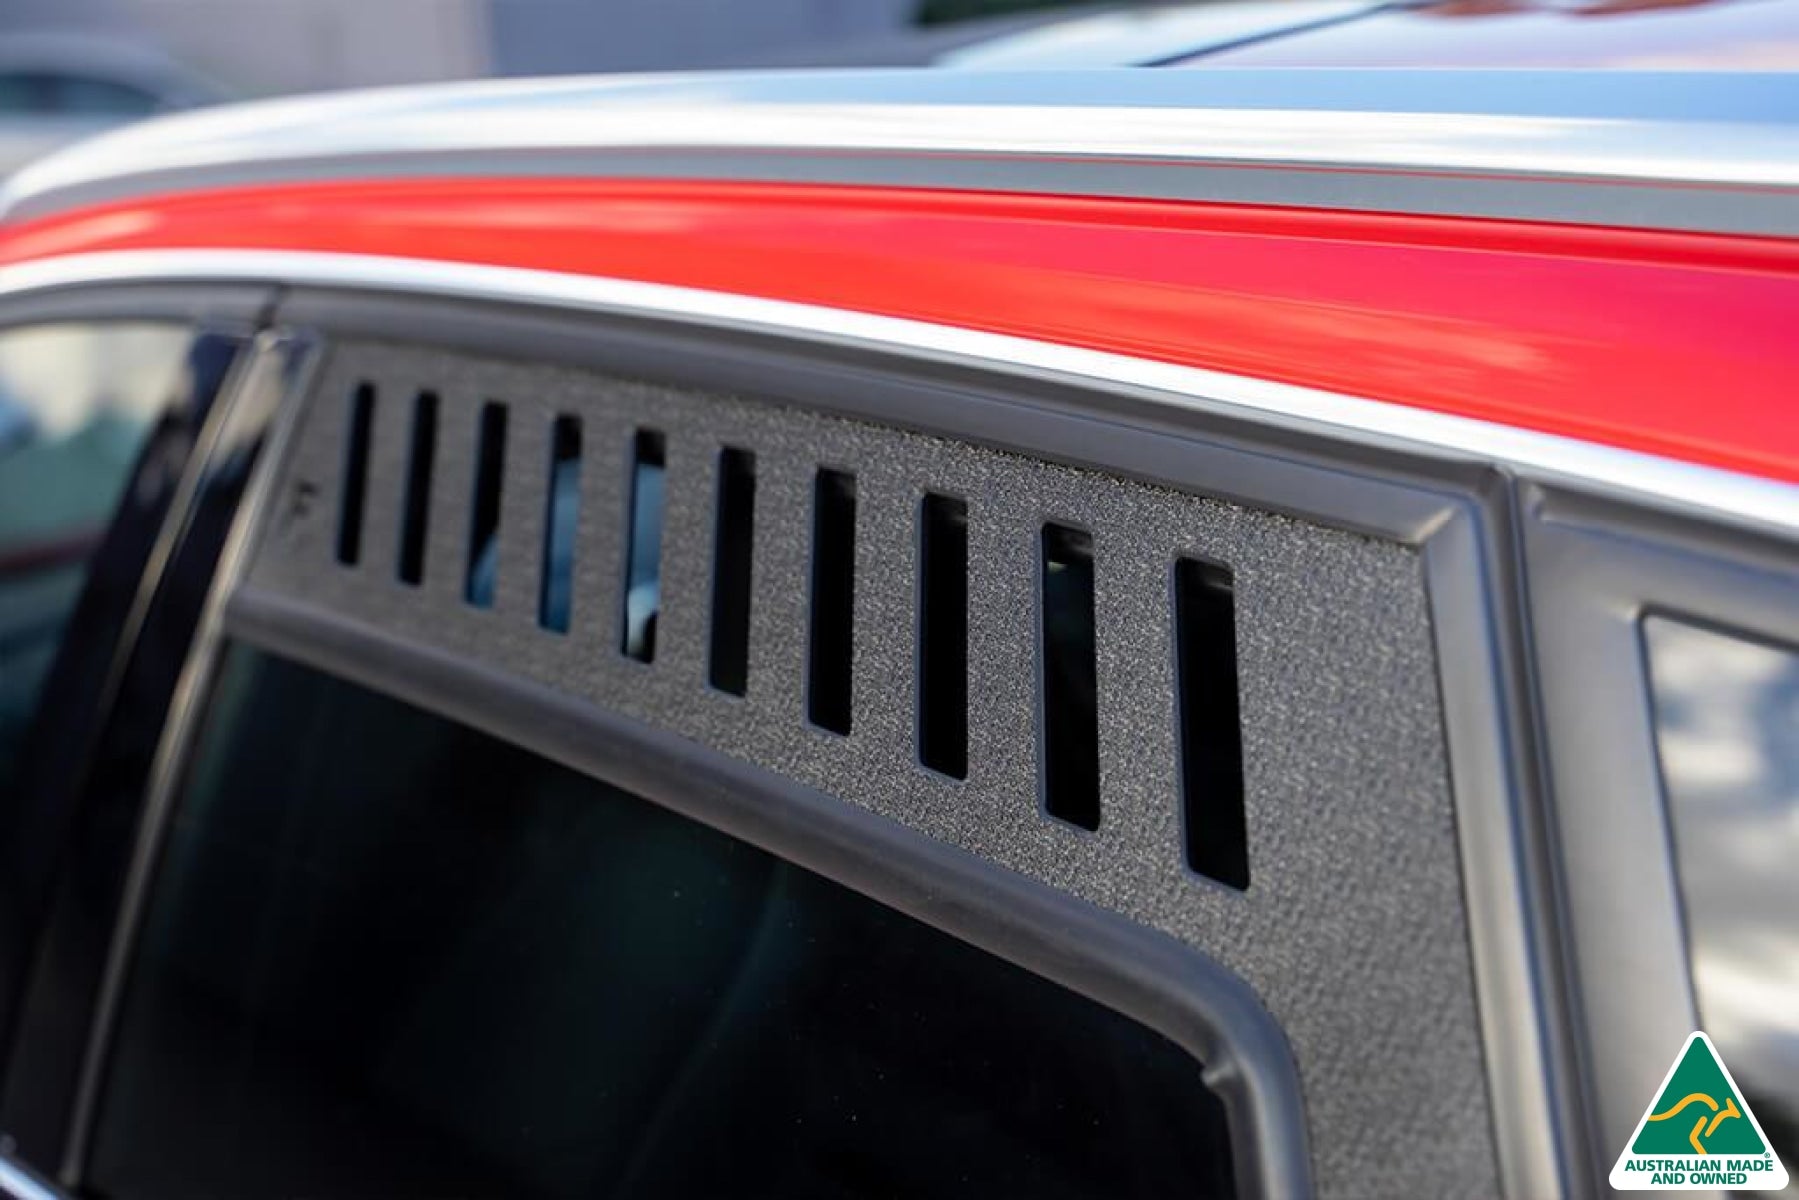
(77, 403)
(1727, 729)
(80, 95)
(20, 94)
(390, 956)
(48, 93)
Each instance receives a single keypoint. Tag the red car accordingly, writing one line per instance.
(1215, 632)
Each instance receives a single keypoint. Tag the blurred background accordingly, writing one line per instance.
(73, 67)
(265, 47)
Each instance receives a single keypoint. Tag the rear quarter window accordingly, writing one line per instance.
(388, 955)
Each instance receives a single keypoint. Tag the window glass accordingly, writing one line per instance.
(1727, 728)
(84, 96)
(20, 94)
(390, 956)
(76, 405)
(46, 93)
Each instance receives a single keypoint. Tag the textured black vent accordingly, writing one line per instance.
(1331, 769)
(1066, 677)
(1211, 746)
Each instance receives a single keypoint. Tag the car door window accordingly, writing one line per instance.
(1727, 734)
(77, 403)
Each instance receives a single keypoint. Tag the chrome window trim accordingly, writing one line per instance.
(1661, 483)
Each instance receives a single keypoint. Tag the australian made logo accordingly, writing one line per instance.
(1698, 1133)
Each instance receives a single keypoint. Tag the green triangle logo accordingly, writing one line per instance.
(1698, 1133)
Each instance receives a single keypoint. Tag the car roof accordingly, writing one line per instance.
(922, 126)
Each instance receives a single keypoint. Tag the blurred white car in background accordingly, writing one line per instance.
(55, 88)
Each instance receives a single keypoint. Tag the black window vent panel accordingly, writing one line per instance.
(1067, 734)
(1221, 723)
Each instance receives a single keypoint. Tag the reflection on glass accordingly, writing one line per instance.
(1727, 728)
(76, 403)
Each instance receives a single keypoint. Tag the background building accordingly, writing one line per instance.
(259, 47)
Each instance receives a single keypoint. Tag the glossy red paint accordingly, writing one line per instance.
(1682, 345)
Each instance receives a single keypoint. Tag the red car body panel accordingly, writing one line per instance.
(1669, 343)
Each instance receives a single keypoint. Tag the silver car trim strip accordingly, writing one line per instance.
(1707, 208)
(1735, 133)
(1667, 484)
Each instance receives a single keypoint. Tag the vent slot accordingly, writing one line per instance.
(561, 516)
(1211, 733)
(734, 525)
(830, 649)
(484, 521)
(643, 539)
(1070, 726)
(416, 511)
(356, 475)
(943, 635)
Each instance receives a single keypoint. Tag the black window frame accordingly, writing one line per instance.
(1458, 515)
(245, 637)
(1170, 988)
(68, 831)
(1143, 974)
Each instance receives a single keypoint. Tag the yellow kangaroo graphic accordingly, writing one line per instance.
(1730, 1110)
